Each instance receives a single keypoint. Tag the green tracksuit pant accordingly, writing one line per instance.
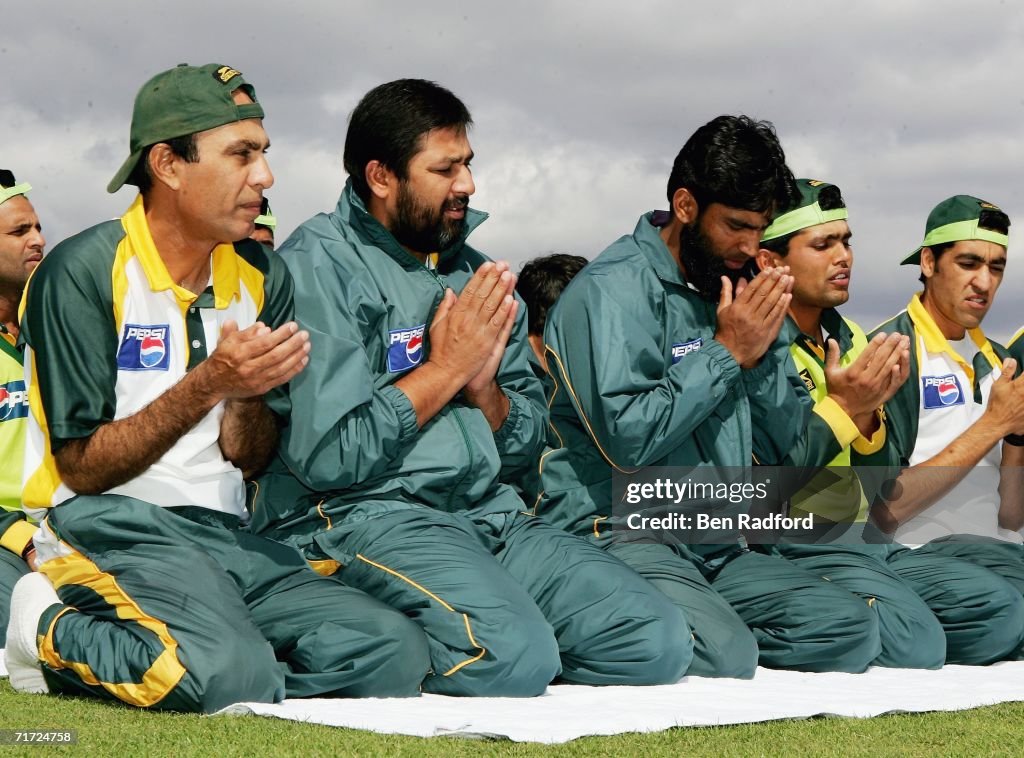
(974, 586)
(12, 568)
(177, 609)
(756, 608)
(910, 632)
(508, 602)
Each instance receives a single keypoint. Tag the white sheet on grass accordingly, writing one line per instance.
(567, 712)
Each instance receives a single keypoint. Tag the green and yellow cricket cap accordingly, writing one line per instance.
(956, 219)
(9, 186)
(807, 212)
(181, 101)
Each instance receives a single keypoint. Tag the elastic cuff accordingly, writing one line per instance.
(842, 426)
(404, 410)
(866, 446)
(511, 423)
(17, 536)
(720, 356)
(762, 372)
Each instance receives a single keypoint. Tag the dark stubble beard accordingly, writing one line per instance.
(704, 267)
(421, 228)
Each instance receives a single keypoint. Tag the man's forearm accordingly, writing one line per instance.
(1011, 488)
(119, 451)
(429, 389)
(922, 485)
(248, 433)
(492, 402)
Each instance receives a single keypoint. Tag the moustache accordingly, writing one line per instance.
(457, 203)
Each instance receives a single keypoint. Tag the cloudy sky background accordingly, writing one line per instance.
(580, 107)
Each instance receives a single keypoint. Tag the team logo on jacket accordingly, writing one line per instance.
(144, 348)
(13, 401)
(808, 380)
(680, 349)
(405, 348)
(941, 391)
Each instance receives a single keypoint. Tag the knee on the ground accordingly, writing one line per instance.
(911, 640)
(245, 672)
(403, 661)
(730, 652)
(838, 632)
(1000, 620)
(521, 663)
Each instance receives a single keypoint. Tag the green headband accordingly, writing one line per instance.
(801, 218)
(6, 193)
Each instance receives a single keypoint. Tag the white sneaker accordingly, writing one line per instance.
(31, 596)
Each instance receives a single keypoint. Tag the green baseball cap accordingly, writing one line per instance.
(807, 212)
(956, 219)
(9, 186)
(180, 101)
(266, 217)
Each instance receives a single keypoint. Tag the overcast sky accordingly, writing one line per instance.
(580, 107)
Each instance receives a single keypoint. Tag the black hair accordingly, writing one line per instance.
(541, 281)
(184, 147)
(829, 199)
(735, 161)
(990, 219)
(390, 122)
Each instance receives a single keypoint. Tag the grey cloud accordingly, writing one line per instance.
(580, 107)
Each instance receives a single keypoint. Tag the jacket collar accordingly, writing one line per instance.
(352, 209)
(834, 327)
(648, 236)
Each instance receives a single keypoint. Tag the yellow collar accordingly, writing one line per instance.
(936, 342)
(226, 286)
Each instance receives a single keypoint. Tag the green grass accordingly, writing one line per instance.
(107, 729)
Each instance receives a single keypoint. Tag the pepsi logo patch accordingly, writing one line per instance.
(405, 348)
(13, 401)
(941, 391)
(144, 348)
(680, 349)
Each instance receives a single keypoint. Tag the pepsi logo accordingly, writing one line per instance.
(405, 348)
(145, 347)
(414, 348)
(152, 351)
(948, 392)
(13, 400)
(941, 391)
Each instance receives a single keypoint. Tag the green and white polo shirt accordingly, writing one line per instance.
(108, 332)
(947, 392)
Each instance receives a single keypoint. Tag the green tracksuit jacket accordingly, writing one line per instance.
(640, 381)
(368, 327)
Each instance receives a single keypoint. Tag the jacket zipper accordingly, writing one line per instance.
(458, 421)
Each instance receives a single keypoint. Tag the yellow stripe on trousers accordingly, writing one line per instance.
(432, 596)
(163, 674)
